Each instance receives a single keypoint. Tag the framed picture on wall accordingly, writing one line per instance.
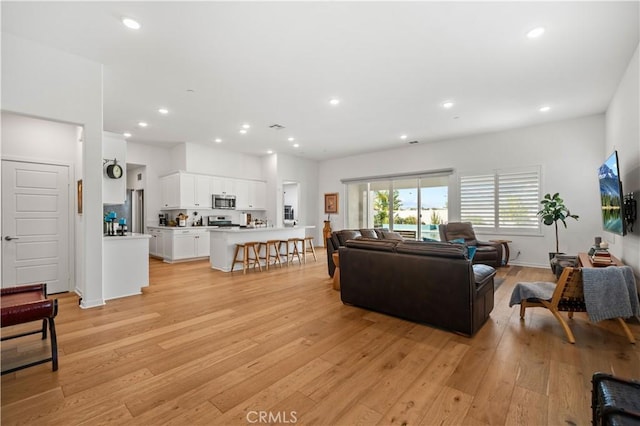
(331, 203)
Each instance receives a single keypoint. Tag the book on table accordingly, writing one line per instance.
(601, 257)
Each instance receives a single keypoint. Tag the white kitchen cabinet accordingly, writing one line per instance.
(184, 246)
(222, 185)
(258, 195)
(203, 245)
(170, 191)
(203, 192)
(188, 244)
(242, 194)
(156, 243)
(186, 191)
(250, 194)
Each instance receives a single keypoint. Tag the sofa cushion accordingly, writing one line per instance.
(369, 233)
(455, 251)
(373, 244)
(461, 230)
(482, 273)
(390, 235)
(346, 235)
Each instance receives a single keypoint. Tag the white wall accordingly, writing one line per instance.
(37, 139)
(305, 172)
(114, 147)
(157, 162)
(50, 84)
(569, 152)
(623, 135)
(220, 162)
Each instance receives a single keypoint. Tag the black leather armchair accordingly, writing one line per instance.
(487, 253)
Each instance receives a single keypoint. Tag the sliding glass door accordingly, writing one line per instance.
(410, 205)
(434, 205)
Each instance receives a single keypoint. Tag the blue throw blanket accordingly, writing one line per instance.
(610, 293)
(534, 290)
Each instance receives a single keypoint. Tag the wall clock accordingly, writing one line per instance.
(114, 171)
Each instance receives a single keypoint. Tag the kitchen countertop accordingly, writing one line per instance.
(180, 228)
(128, 236)
(260, 229)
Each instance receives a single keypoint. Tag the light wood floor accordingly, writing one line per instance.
(205, 347)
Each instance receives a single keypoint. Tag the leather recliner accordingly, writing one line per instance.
(487, 253)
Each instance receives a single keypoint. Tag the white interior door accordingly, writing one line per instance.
(35, 225)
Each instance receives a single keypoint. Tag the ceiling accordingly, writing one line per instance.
(218, 65)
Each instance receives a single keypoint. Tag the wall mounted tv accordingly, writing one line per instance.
(611, 196)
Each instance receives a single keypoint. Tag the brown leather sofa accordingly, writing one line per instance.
(339, 238)
(487, 252)
(430, 283)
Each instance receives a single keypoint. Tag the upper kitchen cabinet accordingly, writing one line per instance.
(170, 191)
(114, 179)
(195, 191)
(250, 195)
(186, 190)
(182, 190)
(222, 185)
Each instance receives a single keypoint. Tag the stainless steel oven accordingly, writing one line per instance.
(224, 201)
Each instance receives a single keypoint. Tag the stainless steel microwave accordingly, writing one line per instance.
(224, 201)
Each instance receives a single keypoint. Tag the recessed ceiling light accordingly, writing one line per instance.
(218, 140)
(126, 134)
(544, 108)
(296, 145)
(245, 126)
(447, 104)
(334, 101)
(291, 139)
(142, 124)
(403, 137)
(269, 152)
(243, 131)
(163, 111)
(536, 32)
(131, 23)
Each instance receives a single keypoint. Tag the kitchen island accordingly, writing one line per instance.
(223, 241)
(125, 265)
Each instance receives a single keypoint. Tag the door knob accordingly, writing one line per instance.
(8, 238)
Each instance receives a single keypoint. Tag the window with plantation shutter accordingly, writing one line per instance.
(477, 200)
(504, 201)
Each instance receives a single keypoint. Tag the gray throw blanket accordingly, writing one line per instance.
(533, 290)
(610, 293)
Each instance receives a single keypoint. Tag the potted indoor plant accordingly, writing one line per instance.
(554, 210)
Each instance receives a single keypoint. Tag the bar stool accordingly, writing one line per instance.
(307, 245)
(247, 247)
(291, 249)
(268, 245)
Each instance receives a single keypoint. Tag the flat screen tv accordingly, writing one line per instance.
(611, 195)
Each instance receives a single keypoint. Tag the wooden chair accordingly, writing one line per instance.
(26, 304)
(568, 297)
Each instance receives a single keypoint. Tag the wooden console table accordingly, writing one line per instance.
(585, 261)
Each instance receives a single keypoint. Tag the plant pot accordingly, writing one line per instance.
(553, 262)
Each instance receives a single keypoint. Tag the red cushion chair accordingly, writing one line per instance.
(29, 303)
